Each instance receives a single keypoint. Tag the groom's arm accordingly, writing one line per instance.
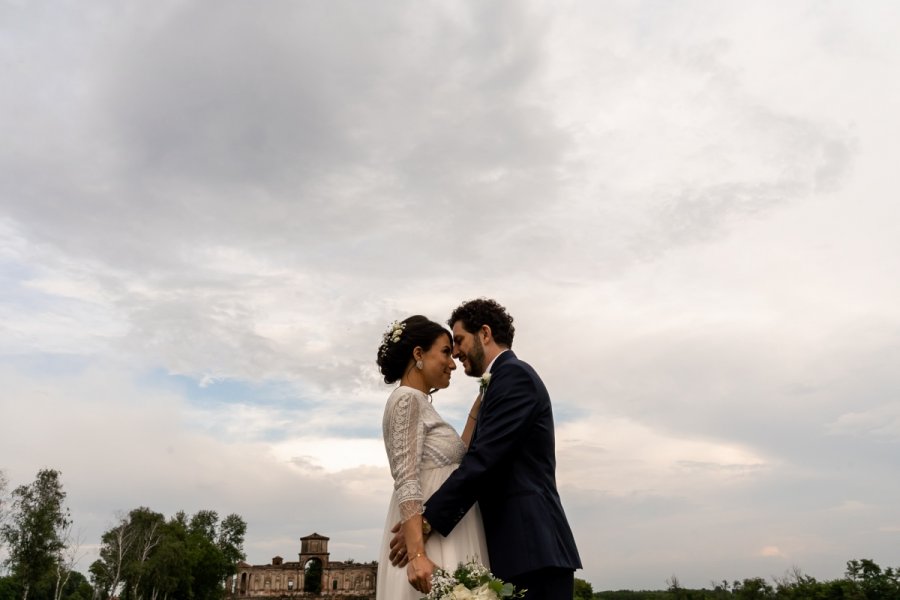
(503, 425)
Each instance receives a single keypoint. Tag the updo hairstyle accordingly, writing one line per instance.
(396, 349)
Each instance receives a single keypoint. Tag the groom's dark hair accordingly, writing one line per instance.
(484, 311)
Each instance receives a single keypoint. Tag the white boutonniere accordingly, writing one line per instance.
(484, 381)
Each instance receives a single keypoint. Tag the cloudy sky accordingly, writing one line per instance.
(210, 210)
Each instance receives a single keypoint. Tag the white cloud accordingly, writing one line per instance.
(622, 457)
(334, 455)
(119, 447)
(207, 218)
(882, 421)
(771, 551)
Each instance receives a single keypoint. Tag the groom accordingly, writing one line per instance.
(510, 467)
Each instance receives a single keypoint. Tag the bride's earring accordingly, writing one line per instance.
(420, 365)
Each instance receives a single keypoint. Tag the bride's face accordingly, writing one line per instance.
(438, 363)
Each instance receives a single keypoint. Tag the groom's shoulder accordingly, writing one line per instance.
(509, 359)
(514, 372)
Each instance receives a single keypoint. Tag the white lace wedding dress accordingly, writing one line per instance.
(422, 450)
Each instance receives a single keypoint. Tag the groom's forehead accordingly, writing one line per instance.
(459, 332)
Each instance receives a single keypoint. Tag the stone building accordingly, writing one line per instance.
(312, 576)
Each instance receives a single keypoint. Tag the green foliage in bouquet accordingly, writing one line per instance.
(470, 581)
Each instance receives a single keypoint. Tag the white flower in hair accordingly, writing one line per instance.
(392, 335)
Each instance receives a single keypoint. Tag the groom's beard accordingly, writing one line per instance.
(475, 360)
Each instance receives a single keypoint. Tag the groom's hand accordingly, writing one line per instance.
(398, 555)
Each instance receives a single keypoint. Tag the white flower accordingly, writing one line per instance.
(483, 592)
(391, 336)
(485, 380)
(447, 586)
(461, 592)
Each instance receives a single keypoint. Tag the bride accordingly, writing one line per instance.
(422, 450)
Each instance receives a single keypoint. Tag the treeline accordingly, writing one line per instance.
(863, 580)
(144, 556)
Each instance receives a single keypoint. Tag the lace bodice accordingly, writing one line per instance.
(416, 438)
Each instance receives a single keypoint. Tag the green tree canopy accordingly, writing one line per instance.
(583, 590)
(145, 557)
(863, 580)
(35, 534)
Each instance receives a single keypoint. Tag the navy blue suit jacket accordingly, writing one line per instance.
(510, 470)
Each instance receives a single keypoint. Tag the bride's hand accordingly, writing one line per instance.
(419, 571)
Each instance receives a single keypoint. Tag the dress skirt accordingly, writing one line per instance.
(465, 542)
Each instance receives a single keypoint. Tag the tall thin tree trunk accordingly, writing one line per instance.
(61, 581)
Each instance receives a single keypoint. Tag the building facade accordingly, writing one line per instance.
(312, 576)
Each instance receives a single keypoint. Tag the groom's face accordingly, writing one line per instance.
(468, 349)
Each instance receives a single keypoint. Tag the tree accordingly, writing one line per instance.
(115, 547)
(872, 581)
(4, 503)
(675, 589)
(35, 530)
(583, 590)
(125, 552)
(169, 568)
(755, 587)
(9, 588)
(4, 482)
(231, 540)
(313, 576)
(145, 557)
(77, 588)
(208, 565)
(69, 556)
(145, 525)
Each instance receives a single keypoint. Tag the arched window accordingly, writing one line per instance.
(313, 576)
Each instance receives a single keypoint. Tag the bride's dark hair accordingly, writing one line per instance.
(401, 339)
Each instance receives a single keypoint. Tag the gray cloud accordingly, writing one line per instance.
(693, 230)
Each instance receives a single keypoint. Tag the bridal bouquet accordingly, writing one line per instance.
(470, 581)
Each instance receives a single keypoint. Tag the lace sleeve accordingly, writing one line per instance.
(405, 438)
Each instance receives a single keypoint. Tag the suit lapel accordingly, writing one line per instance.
(498, 362)
(486, 394)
